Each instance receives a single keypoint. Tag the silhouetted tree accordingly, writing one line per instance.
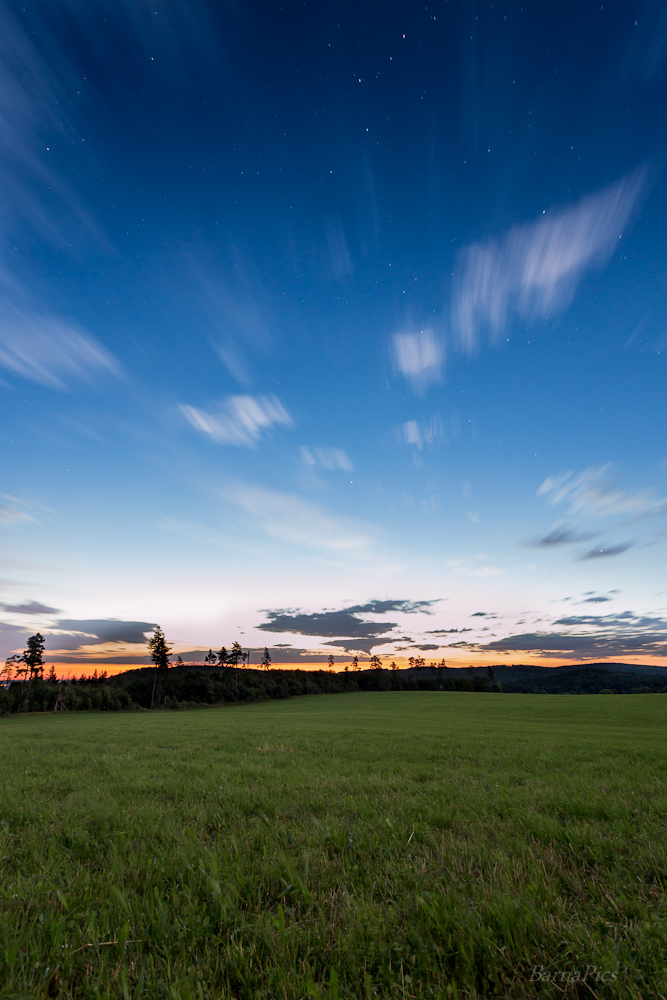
(375, 663)
(15, 667)
(210, 657)
(30, 664)
(330, 661)
(393, 666)
(34, 656)
(266, 658)
(355, 663)
(159, 650)
(223, 657)
(235, 655)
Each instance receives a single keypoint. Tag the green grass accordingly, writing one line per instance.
(399, 845)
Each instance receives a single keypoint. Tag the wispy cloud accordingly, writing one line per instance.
(560, 535)
(239, 420)
(13, 515)
(18, 510)
(291, 519)
(340, 259)
(419, 357)
(29, 608)
(608, 551)
(420, 434)
(36, 94)
(48, 350)
(330, 459)
(534, 270)
(593, 493)
(470, 566)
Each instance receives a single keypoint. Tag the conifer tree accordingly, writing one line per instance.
(34, 656)
(266, 659)
(158, 648)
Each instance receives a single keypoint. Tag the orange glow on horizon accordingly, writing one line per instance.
(79, 669)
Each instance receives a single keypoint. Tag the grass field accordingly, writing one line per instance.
(399, 845)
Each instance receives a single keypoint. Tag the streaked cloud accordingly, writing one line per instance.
(340, 259)
(419, 357)
(535, 269)
(236, 321)
(289, 518)
(608, 551)
(13, 515)
(29, 608)
(239, 420)
(560, 535)
(37, 83)
(330, 459)
(22, 510)
(470, 566)
(44, 102)
(48, 350)
(593, 493)
(420, 434)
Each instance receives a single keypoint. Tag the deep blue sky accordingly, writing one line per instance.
(309, 307)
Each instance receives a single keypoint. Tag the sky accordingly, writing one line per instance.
(335, 329)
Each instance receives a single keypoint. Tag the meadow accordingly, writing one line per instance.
(366, 845)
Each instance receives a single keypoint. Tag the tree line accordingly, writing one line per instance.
(172, 685)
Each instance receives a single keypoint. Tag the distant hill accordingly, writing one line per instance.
(576, 678)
